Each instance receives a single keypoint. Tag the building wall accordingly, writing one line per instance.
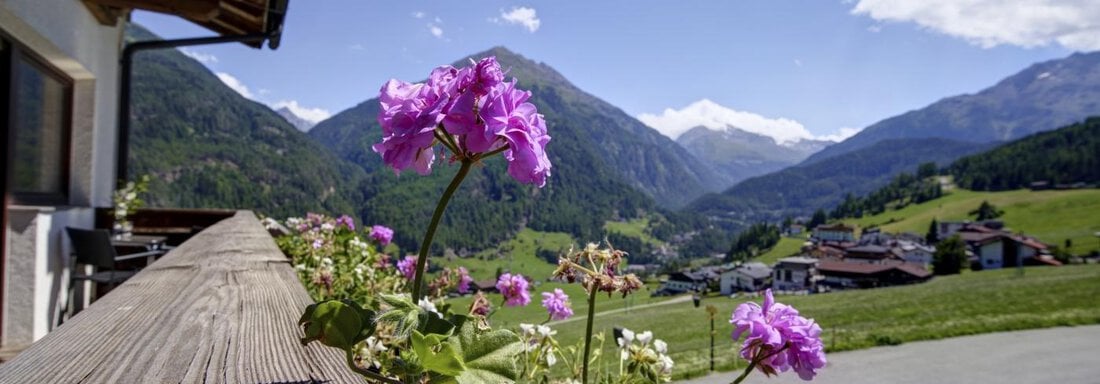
(992, 255)
(798, 281)
(65, 35)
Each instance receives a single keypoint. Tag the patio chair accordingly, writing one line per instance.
(93, 247)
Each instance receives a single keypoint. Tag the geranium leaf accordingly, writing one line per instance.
(489, 357)
(334, 323)
(436, 355)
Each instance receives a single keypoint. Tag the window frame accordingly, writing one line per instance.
(16, 52)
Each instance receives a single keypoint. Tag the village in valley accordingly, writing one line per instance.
(837, 256)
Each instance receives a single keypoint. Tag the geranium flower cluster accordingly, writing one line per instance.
(778, 338)
(601, 273)
(514, 290)
(644, 356)
(557, 304)
(472, 112)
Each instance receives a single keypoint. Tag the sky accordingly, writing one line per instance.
(792, 70)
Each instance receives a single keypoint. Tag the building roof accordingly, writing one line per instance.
(685, 276)
(869, 249)
(797, 260)
(870, 269)
(225, 17)
(835, 227)
(756, 270)
(1030, 242)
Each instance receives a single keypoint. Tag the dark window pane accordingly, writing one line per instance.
(40, 116)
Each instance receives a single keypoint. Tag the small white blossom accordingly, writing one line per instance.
(645, 337)
(428, 306)
(660, 346)
(550, 359)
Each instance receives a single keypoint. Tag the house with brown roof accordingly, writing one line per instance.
(798, 273)
(872, 254)
(839, 274)
(838, 232)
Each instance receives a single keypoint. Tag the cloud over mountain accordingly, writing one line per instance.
(1074, 24)
(673, 123)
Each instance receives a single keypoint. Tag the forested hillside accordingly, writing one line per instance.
(607, 165)
(1064, 156)
(208, 147)
(802, 189)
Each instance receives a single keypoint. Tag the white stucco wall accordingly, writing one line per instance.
(65, 35)
(992, 256)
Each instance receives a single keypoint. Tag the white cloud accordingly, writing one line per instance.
(232, 82)
(1074, 24)
(527, 17)
(418, 14)
(204, 58)
(673, 123)
(841, 134)
(798, 62)
(356, 47)
(435, 30)
(312, 115)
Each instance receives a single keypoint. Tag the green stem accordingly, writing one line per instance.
(422, 260)
(370, 375)
(588, 331)
(754, 363)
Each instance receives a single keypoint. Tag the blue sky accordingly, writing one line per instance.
(790, 69)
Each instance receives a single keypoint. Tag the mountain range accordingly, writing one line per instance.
(738, 154)
(207, 146)
(295, 120)
(1039, 98)
(1042, 97)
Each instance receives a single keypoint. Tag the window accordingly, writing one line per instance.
(38, 120)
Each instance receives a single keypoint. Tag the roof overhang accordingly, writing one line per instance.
(225, 17)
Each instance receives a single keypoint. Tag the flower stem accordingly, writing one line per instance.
(371, 375)
(754, 363)
(422, 260)
(588, 331)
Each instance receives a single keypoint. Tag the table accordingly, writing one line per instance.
(146, 242)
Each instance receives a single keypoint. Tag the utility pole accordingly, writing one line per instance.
(712, 310)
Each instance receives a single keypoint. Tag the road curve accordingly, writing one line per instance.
(1053, 355)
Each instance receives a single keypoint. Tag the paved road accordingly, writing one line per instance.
(1055, 355)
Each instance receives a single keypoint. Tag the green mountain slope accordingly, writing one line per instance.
(801, 189)
(208, 147)
(1064, 156)
(1042, 97)
(606, 165)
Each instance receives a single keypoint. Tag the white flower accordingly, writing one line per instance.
(545, 331)
(326, 261)
(375, 345)
(645, 337)
(429, 307)
(300, 267)
(660, 346)
(665, 363)
(628, 337)
(550, 359)
(327, 227)
(528, 329)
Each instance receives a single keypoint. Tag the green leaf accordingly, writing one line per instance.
(334, 323)
(490, 357)
(435, 355)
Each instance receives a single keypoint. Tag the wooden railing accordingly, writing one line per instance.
(220, 308)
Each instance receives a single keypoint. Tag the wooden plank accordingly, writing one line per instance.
(191, 9)
(220, 308)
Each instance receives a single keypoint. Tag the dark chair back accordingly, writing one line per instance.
(93, 247)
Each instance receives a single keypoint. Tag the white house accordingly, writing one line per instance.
(916, 253)
(798, 273)
(838, 232)
(681, 282)
(60, 60)
(749, 277)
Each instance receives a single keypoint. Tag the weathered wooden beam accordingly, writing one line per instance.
(105, 15)
(221, 308)
(203, 10)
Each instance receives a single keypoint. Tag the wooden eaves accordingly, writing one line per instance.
(225, 17)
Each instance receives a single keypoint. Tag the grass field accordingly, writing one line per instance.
(787, 246)
(633, 228)
(519, 257)
(972, 303)
(1051, 216)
